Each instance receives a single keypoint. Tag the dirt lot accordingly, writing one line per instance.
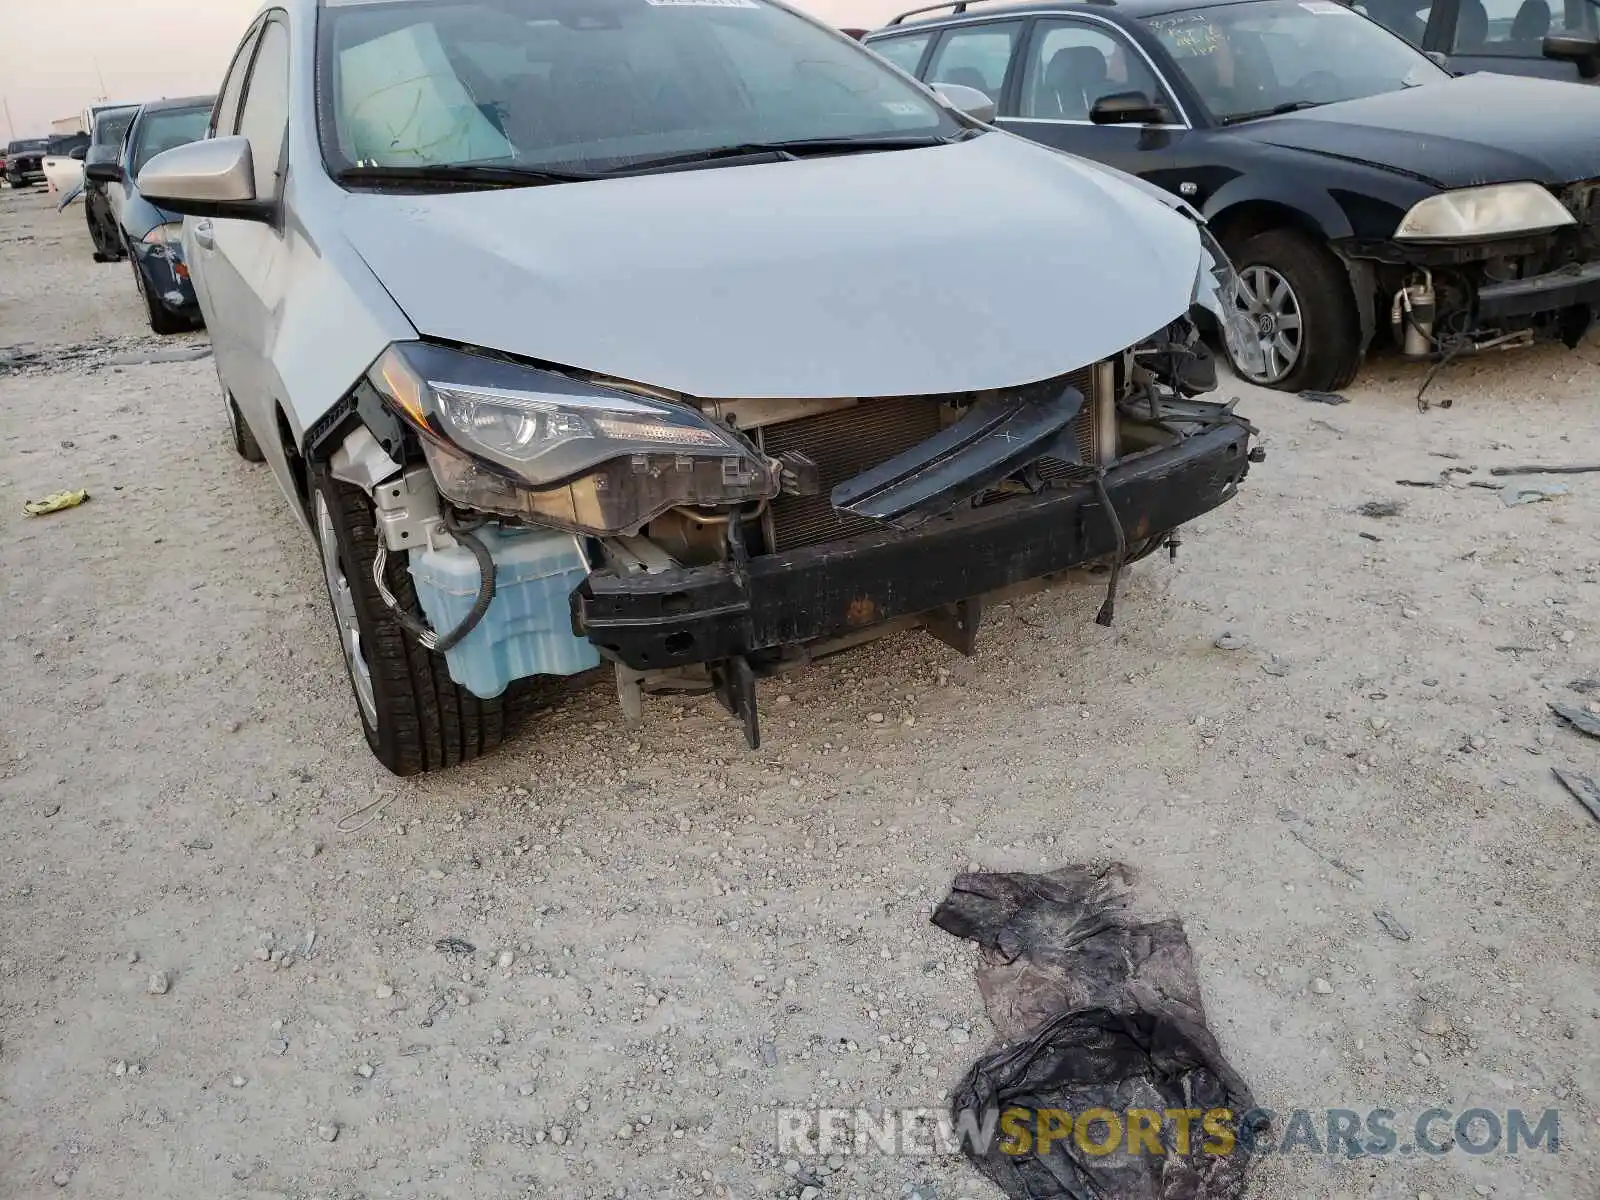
(673, 935)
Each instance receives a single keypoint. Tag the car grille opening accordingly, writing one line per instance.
(848, 441)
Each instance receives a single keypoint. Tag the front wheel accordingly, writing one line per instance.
(1297, 297)
(162, 320)
(415, 717)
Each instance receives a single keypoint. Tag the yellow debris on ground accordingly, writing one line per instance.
(55, 502)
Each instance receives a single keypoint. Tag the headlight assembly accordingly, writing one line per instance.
(1218, 290)
(1498, 210)
(523, 442)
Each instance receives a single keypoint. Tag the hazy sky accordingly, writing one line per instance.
(145, 49)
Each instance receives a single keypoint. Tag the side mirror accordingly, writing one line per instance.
(103, 171)
(969, 100)
(1127, 108)
(78, 152)
(1582, 50)
(214, 178)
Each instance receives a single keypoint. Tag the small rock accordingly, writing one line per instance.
(383, 991)
(1379, 724)
(1231, 641)
(61, 1178)
(364, 1070)
(1424, 1196)
(769, 1054)
(792, 1167)
(51, 810)
(960, 1036)
(1420, 1059)
(582, 1104)
(810, 1193)
(133, 957)
(1483, 1189)
(328, 1131)
(1321, 986)
(313, 849)
(558, 1134)
(875, 718)
(785, 698)
(237, 1081)
(525, 1089)
(498, 1037)
(835, 1162)
(505, 959)
(158, 983)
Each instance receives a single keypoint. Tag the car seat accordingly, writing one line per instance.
(1532, 21)
(1472, 25)
(1074, 80)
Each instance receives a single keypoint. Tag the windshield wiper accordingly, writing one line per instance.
(1275, 111)
(778, 151)
(458, 176)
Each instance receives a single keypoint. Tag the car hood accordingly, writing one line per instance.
(987, 263)
(1477, 129)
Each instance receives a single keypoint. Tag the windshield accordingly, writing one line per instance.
(26, 146)
(1249, 60)
(592, 85)
(166, 129)
(111, 127)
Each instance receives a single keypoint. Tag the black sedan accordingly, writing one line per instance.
(1360, 188)
(150, 236)
(25, 162)
(105, 145)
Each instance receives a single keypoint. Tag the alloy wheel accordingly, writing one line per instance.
(1273, 310)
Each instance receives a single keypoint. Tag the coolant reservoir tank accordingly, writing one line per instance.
(528, 628)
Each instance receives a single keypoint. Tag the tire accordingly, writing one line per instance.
(103, 252)
(1328, 346)
(244, 441)
(415, 717)
(162, 321)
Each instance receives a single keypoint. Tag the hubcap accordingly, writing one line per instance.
(1271, 307)
(344, 613)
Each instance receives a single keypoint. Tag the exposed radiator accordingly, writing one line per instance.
(848, 441)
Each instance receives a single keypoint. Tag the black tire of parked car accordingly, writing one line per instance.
(244, 440)
(162, 320)
(1330, 342)
(104, 250)
(425, 719)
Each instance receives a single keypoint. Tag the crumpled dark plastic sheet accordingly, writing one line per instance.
(1102, 1011)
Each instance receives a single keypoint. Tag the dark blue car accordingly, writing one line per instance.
(152, 236)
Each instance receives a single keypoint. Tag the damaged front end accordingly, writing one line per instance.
(553, 521)
(1488, 268)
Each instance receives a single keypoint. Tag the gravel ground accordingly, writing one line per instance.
(207, 989)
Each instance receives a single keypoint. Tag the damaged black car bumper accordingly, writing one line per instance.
(1576, 284)
(730, 611)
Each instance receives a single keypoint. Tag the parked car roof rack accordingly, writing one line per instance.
(955, 6)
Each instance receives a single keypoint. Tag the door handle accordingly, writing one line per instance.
(204, 237)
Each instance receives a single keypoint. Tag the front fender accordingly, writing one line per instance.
(1314, 211)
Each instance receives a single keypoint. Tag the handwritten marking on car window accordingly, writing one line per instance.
(405, 106)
